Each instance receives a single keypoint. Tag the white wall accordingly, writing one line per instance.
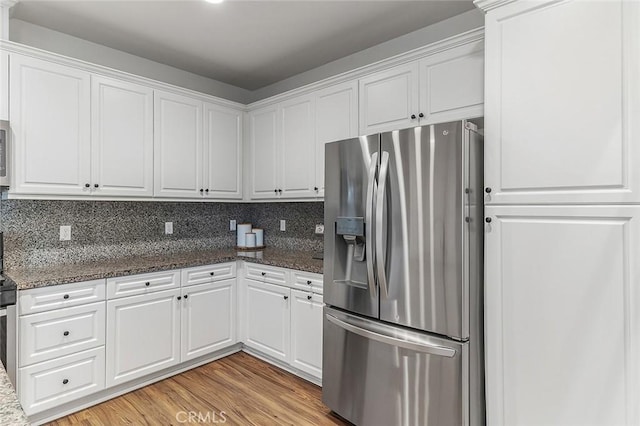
(64, 44)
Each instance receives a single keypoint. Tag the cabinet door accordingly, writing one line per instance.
(562, 315)
(306, 332)
(4, 86)
(223, 152)
(49, 110)
(121, 138)
(177, 146)
(208, 318)
(388, 99)
(267, 319)
(336, 119)
(297, 148)
(562, 102)
(264, 141)
(143, 335)
(452, 84)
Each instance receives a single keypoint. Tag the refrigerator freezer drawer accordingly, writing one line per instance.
(377, 374)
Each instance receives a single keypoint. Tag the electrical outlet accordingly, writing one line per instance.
(65, 232)
(320, 229)
(168, 228)
(232, 225)
(283, 225)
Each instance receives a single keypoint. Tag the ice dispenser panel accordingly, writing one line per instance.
(351, 247)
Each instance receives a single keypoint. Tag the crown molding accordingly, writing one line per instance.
(22, 49)
(487, 5)
(8, 3)
(457, 40)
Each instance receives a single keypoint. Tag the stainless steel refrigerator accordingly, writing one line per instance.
(403, 338)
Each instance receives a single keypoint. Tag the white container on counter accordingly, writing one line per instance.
(259, 236)
(242, 230)
(250, 239)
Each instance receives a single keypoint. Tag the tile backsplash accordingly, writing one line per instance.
(108, 229)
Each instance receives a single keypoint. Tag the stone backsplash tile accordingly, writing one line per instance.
(107, 229)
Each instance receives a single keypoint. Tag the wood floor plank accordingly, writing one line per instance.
(246, 389)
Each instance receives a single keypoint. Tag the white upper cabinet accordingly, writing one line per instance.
(223, 152)
(4, 86)
(49, 112)
(297, 148)
(563, 101)
(263, 145)
(336, 119)
(389, 99)
(452, 84)
(178, 146)
(122, 138)
(562, 315)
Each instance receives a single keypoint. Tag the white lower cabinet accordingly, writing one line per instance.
(52, 383)
(306, 332)
(143, 335)
(208, 318)
(267, 319)
(284, 321)
(562, 315)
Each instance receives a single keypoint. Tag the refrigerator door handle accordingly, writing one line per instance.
(371, 189)
(393, 341)
(380, 255)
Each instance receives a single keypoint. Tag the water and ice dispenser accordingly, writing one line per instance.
(351, 250)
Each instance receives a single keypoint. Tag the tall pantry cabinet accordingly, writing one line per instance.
(562, 197)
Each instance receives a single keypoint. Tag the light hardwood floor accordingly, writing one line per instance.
(248, 390)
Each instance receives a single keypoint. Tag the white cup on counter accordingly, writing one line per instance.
(250, 239)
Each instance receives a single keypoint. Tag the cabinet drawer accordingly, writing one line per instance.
(207, 274)
(50, 335)
(142, 284)
(267, 274)
(60, 296)
(307, 281)
(53, 383)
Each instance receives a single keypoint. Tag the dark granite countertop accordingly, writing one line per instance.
(69, 273)
(11, 413)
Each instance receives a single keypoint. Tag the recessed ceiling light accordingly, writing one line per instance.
(214, 1)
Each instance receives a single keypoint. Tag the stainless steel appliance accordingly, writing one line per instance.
(5, 138)
(403, 277)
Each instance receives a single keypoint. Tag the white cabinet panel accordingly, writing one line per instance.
(562, 315)
(122, 138)
(452, 84)
(265, 273)
(177, 146)
(563, 97)
(306, 332)
(49, 335)
(4, 86)
(132, 285)
(143, 335)
(223, 152)
(388, 99)
(207, 274)
(49, 110)
(336, 119)
(297, 148)
(208, 318)
(267, 325)
(264, 145)
(53, 383)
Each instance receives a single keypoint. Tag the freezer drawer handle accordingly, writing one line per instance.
(418, 347)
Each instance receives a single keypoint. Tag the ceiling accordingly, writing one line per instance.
(248, 44)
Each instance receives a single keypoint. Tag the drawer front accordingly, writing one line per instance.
(133, 285)
(207, 274)
(50, 335)
(266, 274)
(307, 281)
(60, 296)
(53, 383)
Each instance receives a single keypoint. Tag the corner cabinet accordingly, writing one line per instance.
(444, 86)
(49, 112)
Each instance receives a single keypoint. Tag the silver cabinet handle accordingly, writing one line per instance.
(380, 254)
(370, 256)
(393, 341)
